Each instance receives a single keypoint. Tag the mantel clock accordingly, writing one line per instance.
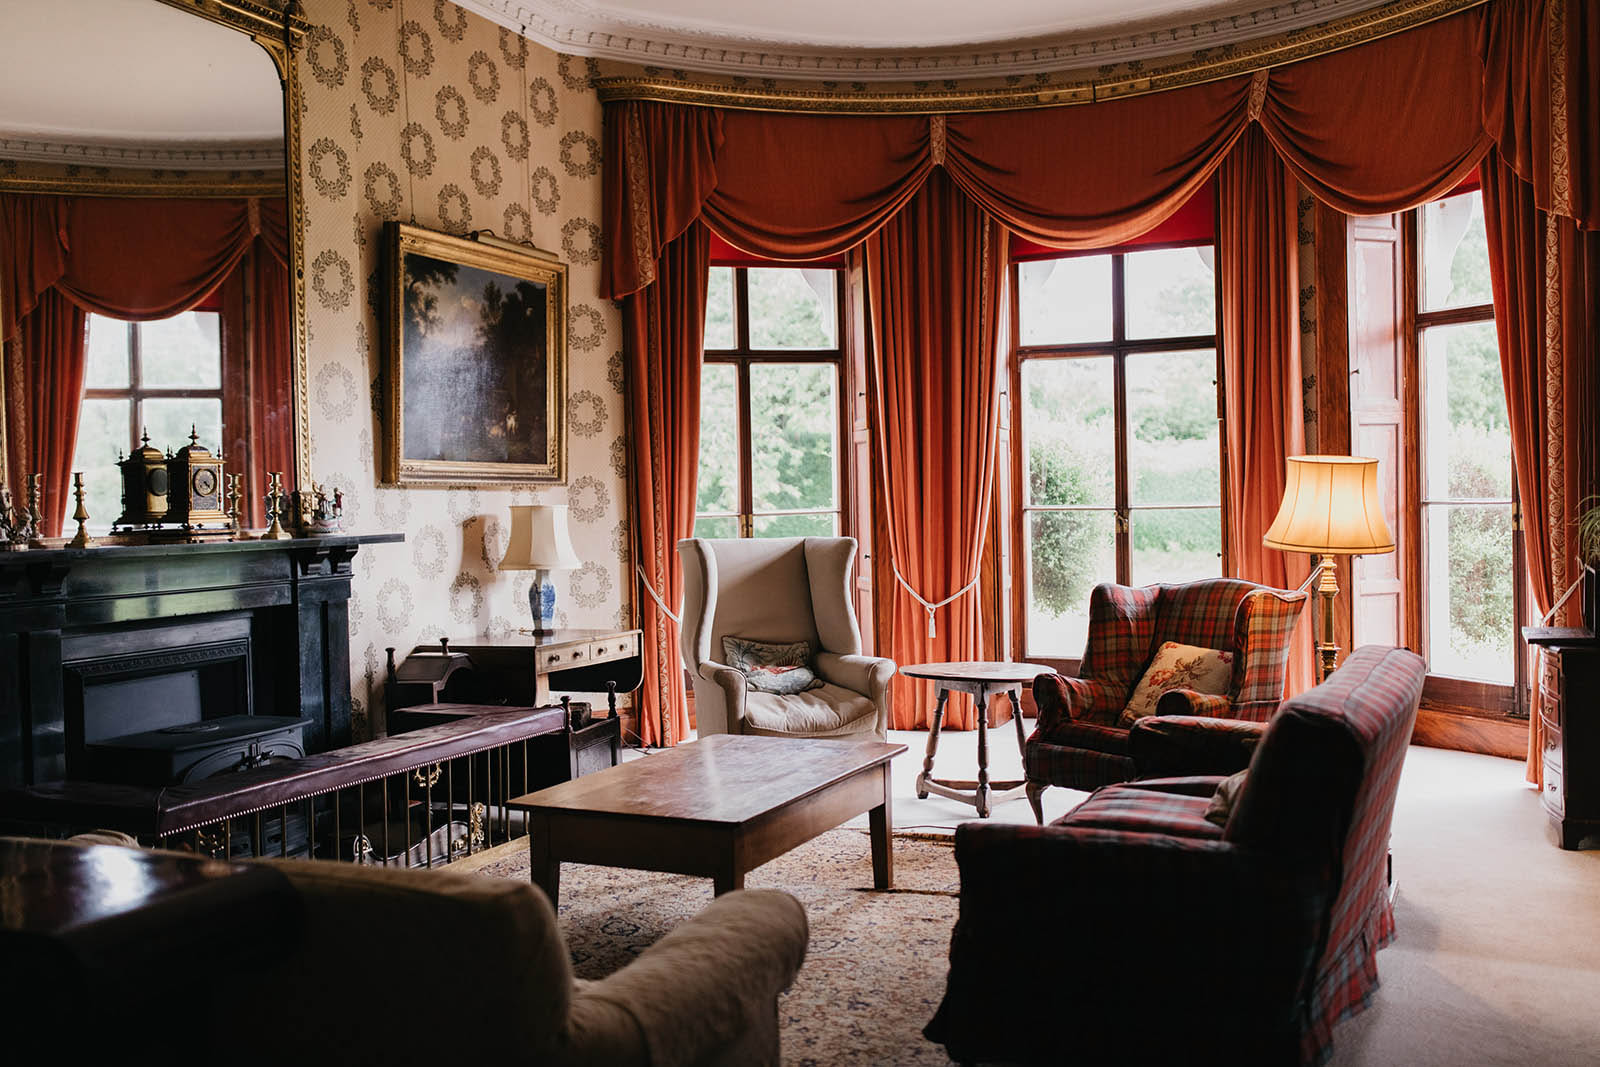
(196, 488)
(144, 486)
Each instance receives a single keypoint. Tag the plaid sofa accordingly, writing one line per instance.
(1078, 743)
(1165, 938)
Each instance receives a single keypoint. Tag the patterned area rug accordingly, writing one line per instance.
(875, 969)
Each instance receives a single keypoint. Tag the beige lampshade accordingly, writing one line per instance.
(1331, 505)
(540, 540)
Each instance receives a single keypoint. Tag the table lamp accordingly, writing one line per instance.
(540, 542)
(1331, 507)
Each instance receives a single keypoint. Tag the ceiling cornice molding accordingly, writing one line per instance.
(576, 27)
(181, 156)
(1138, 79)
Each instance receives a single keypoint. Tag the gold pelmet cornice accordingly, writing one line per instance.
(1120, 80)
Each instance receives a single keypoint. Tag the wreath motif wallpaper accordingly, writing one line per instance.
(419, 111)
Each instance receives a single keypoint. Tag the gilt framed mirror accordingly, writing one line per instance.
(151, 236)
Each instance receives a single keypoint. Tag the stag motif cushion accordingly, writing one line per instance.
(770, 668)
(1204, 670)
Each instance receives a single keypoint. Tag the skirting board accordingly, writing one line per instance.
(1466, 731)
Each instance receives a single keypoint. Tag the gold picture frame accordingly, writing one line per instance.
(475, 362)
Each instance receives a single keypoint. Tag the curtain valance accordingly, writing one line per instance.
(137, 259)
(1373, 129)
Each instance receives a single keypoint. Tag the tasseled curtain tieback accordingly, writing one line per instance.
(675, 616)
(930, 608)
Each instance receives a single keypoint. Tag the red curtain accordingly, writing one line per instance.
(1386, 126)
(1541, 79)
(136, 259)
(1375, 128)
(1092, 176)
(664, 326)
(933, 280)
(1544, 272)
(1258, 276)
(270, 395)
(49, 357)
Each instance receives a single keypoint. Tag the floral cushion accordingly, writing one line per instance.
(770, 668)
(1204, 670)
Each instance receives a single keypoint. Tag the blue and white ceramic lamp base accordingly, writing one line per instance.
(542, 603)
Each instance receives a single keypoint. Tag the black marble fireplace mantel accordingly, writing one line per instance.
(280, 608)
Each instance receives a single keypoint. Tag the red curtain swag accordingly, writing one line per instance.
(1372, 129)
(133, 259)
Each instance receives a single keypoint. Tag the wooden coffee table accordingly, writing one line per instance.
(980, 680)
(718, 808)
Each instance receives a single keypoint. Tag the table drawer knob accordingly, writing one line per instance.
(601, 650)
(554, 657)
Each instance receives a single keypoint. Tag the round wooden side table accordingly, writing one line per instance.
(980, 681)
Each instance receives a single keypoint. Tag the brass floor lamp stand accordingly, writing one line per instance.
(1327, 578)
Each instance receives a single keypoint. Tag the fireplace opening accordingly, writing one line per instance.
(131, 683)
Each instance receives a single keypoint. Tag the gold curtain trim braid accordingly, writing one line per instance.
(1560, 153)
(1554, 403)
(1258, 93)
(639, 200)
(1205, 65)
(936, 139)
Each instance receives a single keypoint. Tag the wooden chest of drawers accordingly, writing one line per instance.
(1569, 687)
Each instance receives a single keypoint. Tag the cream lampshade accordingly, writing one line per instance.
(1331, 507)
(541, 542)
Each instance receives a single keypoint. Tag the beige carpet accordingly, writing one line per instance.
(874, 971)
(1497, 959)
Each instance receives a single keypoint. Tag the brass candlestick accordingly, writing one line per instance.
(35, 511)
(81, 539)
(276, 532)
(234, 497)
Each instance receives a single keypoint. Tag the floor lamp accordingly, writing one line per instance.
(1331, 507)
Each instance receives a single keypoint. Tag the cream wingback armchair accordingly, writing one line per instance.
(779, 591)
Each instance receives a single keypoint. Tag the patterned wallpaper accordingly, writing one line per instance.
(419, 111)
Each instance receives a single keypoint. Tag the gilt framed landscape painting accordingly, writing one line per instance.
(476, 362)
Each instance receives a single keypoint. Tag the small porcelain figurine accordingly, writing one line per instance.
(326, 513)
(16, 524)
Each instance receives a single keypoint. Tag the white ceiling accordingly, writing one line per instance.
(898, 39)
(135, 83)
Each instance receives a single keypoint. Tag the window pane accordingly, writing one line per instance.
(1068, 553)
(1455, 253)
(794, 436)
(822, 524)
(107, 354)
(1469, 602)
(1466, 431)
(1171, 292)
(1173, 455)
(716, 526)
(1068, 431)
(169, 421)
(102, 439)
(183, 352)
(1175, 544)
(1065, 301)
(717, 488)
(720, 331)
(793, 308)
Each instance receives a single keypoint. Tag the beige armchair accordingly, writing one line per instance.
(779, 590)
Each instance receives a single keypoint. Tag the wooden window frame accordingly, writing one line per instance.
(137, 393)
(1118, 348)
(1441, 691)
(742, 356)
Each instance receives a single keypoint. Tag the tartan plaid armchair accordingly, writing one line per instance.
(1194, 943)
(1078, 743)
